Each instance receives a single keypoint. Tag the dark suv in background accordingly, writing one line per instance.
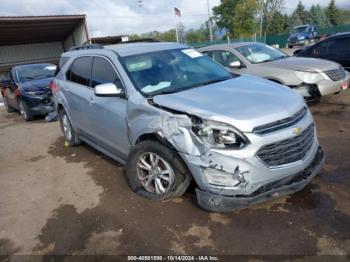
(26, 88)
(335, 48)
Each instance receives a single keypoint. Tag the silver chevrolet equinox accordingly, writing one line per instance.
(172, 114)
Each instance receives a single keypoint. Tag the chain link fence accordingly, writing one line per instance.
(280, 40)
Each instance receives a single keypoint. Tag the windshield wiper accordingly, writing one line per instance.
(272, 59)
(208, 83)
(188, 87)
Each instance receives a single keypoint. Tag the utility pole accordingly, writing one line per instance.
(142, 22)
(209, 22)
(177, 30)
(262, 14)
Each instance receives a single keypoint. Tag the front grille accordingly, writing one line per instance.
(293, 40)
(290, 180)
(281, 124)
(336, 75)
(288, 151)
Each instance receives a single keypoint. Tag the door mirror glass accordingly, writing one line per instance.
(108, 90)
(235, 64)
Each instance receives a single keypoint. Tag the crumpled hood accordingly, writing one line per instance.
(244, 102)
(303, 64)
(36, 85)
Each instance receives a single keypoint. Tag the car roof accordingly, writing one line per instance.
(339, 35)
(128, 49)
(231, 45)
(32, 65)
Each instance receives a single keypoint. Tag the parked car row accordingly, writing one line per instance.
(173, 115)
(313, 78)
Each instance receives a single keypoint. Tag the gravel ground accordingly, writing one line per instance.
(60, 200)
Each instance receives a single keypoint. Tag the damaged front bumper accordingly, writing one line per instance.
(328, 87)
(322, 88)
(285, 186)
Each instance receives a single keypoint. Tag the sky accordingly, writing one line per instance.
(118, 17)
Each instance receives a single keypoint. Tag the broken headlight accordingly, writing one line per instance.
(218, 134)
(309, 77)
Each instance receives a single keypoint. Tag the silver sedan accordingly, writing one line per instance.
(313, 78)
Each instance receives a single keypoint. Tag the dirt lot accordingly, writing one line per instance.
(60, 200)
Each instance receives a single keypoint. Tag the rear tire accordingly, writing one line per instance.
(8, 108)
(25, 112)
(165, 177)
(68, 131)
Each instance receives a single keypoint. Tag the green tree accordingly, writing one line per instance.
(167, 36)
(201, 34)
(237, 16)
(274, 22)
(302, 13)
(293, 21)
(333, 13)
(318, 16)
(278, 25)
(344, 15)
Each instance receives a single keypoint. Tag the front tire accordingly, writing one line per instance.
(156, 172)
(67, 129)
(8, 108)
(24, 111)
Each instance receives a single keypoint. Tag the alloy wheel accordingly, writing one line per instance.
(66, 127)
(23, 110)
(155, 174)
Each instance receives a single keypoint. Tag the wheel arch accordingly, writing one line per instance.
(278, 81)
(60, 107)
(155, 137)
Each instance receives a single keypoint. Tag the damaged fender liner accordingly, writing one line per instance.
(219, 203)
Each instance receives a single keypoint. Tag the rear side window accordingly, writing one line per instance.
(103, 72)
(223, 57)
(333, 47)
(80, 71)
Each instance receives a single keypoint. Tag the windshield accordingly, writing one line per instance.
(259, 53)
(35, 72)
(300, 29)
(172, 71)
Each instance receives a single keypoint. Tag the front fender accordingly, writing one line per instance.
(144, 118)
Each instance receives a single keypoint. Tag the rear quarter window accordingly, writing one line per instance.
(80, 71)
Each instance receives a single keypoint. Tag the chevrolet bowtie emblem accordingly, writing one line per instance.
(296, 130)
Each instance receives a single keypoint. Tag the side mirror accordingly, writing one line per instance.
(235, 64)
(108, 90)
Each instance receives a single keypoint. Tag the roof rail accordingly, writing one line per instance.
(86, 47)
(141, 40)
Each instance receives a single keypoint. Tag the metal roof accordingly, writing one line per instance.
(34, 29)
(108, 40)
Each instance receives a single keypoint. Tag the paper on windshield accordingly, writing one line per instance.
(50, 68)
(192, 53)
(258, 57)
(159, 86)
